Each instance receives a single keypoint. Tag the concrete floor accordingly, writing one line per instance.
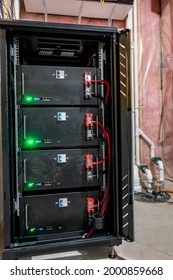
(153, 233)
(154, 238)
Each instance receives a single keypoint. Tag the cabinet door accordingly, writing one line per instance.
(125, 146)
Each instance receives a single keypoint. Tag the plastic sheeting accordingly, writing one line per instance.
(156, 79)
(167, 116)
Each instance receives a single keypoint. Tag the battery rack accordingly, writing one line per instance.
(66, 135)
(63, 144)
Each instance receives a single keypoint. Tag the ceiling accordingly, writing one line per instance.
(79, 8)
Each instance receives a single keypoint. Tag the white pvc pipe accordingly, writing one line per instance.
(131, 23)
(137, 146)
(152, 154)
(161, 170)
(149, 177)
(136, 82)
(149, 141)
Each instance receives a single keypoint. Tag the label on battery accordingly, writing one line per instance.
(61, 158)
(61, 116)
(63, 202)
(60, 74)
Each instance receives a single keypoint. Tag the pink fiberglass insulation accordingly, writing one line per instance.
(167, 117)
(149, 76)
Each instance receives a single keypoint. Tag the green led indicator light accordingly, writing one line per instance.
(31, 230)
(28, 98)
(29, 142)
(30, 185)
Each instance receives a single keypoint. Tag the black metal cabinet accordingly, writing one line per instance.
(66, 128)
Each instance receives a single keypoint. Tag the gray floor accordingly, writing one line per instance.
(154, 236)
(153, 232)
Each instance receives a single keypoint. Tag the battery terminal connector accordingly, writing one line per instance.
(87, 84)
(90, 204)
(89, 167)
(89, 126)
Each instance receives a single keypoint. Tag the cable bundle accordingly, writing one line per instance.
(99, 217)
